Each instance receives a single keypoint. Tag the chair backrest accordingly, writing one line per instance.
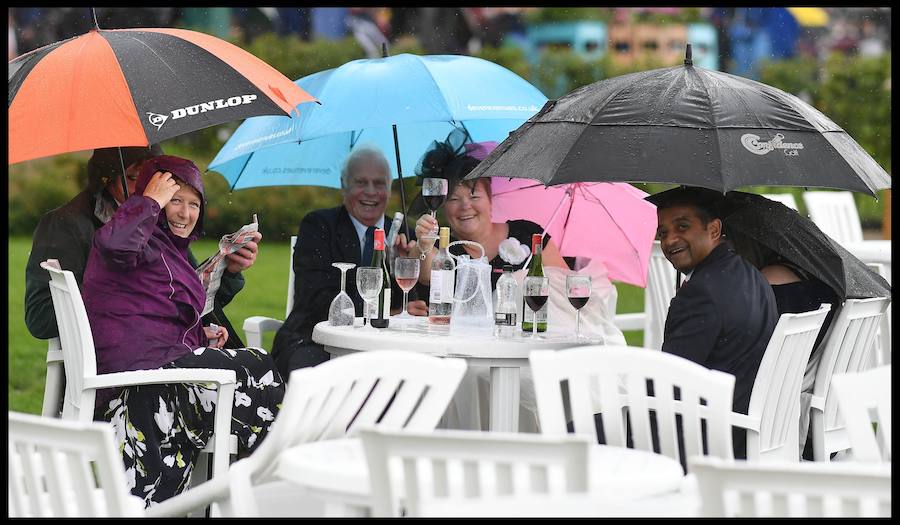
(865, 398)
(883, 337)
(65, 469)
(657, 296)
(784, 198)
(834, 212)
(388, 388)
(55, 380)
(594, 374)
(808, 489)
(289, 304)
(76, 341)
(847, 349)
(775, 398)
(457, 467)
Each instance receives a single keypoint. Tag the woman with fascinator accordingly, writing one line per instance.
(468, 211)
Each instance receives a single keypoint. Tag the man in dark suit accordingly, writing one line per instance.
(723, 315)
(341, 234)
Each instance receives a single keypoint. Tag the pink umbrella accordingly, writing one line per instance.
(607, 221)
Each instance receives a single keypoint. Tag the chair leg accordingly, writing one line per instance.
(54, 390)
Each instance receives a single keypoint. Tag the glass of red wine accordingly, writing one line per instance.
(406, 272)
(578, 290)
(434, 193)
(536, 293)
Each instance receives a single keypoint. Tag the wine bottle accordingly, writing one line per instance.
(507, 309)
(391, 238)
(536, 269)
(443, 280)
(384, 297)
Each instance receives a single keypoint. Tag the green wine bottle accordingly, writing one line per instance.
(536, 269)
(384, 297)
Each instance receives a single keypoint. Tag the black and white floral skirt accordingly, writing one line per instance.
(161, 429)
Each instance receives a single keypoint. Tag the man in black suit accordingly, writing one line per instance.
(337, 235)
(723, 315)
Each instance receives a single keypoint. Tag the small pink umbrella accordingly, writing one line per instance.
(607, 221)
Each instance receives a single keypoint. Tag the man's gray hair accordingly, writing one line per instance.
(362, 154)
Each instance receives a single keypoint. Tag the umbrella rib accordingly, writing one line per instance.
(712, 117)
(241, 173)
(634, 250)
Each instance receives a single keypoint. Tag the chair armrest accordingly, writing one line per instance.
(817, 402)
(256, 325)
(745, 421)
(168, 375)
(630, 321)
(213, 490)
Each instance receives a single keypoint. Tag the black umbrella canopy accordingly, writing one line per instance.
(685, 125)
(797, 239)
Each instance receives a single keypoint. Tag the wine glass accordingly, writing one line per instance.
(406, 272)
(434, 193)
(369, 280)
(342, 312)
(578, 290)
(536, 292)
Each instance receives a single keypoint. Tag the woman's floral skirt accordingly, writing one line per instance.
(161, 429)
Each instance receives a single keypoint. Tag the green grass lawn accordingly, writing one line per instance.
(264, 294)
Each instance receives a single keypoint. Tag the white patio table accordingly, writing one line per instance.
(504, 356)
(336, 471)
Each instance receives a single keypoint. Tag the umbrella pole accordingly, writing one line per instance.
(122, 174)
(400, 176)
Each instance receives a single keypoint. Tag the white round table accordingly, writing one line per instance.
(504, 356)
(336, 471)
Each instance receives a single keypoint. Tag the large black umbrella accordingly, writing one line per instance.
(750, 217)
(684, 125)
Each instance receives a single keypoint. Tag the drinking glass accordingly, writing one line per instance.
(434, 193)
(406, 272)
(536, 292)
(341, 312)
(578, 290)
(369, 280)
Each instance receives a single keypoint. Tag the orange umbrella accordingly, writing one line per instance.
(135, 87)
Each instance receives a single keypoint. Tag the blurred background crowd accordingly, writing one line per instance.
(733, 40)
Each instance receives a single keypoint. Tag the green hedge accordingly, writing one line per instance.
(853, 91)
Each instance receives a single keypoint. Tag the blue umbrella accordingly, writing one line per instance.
(401, 102)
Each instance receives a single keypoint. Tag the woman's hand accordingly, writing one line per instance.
(425, 225)
(161, 188)
(417, 307)
(217, 335)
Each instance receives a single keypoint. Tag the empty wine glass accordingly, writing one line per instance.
(536, 291)
(434, 193)
(342, 311)
(406, 272)
(578, 290)
(369, 280)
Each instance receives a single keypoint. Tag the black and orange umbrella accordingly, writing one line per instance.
(136, 87)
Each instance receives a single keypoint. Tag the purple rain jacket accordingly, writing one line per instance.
(143, 298)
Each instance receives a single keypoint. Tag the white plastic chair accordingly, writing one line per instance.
(55, 381)
(847, 349)
(772, 419)
(797, 490)
(657, 295)
(257, 325)
(65, 469)
(443, 471)
(864, 398)
(834, 212)
(883, 337)
(784, 198)
(83, 381)
(390, 389)
(594, 375)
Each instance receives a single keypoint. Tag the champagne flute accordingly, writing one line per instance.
(406, 272)
(369, 280)
(342, 312)
(578, 290)
(434, 193)
(537, 291)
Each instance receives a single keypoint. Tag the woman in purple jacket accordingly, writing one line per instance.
(143, 299)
